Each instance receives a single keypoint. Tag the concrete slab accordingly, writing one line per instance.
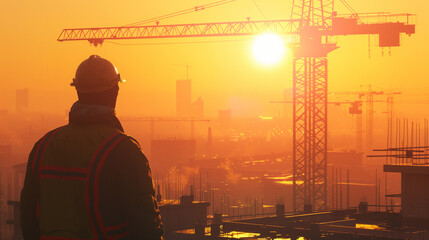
(411, 169)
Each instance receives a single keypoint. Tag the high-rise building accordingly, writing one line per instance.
(183, 98)
(167, 153)
(21, 100)
(225, 118)
(198, 108)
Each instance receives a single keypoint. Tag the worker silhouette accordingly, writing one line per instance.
(87, 179)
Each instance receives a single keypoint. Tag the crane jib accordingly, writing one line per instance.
(389, 28)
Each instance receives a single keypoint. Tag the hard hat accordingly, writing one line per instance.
(95, 74)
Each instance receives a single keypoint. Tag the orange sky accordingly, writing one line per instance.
(223, 73)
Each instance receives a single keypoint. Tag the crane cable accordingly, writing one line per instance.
(182, 12)
(351, 10)
(259, 9)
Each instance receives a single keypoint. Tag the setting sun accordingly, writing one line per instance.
(268, 48)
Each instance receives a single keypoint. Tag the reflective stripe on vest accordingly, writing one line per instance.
(89, 177)
(40, 150)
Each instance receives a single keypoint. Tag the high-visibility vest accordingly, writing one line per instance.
(67, 165)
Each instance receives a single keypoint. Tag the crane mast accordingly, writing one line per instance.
(310, 107)
(313, 23)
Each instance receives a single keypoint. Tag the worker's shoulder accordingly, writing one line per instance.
(128, 141)
(131, 140)
(93, 131)
(47, 136)
(98, 133)
(104, 133)
(127, 149)
(90, 130)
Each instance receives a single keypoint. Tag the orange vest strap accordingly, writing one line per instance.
(60, 238)
(38, 161)
(40, 148)
(94, 178)
(63, 174)
(117, 231)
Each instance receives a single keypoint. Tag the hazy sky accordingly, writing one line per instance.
(224, 73)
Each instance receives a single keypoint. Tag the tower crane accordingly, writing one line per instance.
(370, 112)
(155, 120)
(312, 26)
(354, 109)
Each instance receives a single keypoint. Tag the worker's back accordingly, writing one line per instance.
(67, 163)
(67, 172)
(88, 180)
(94, 183)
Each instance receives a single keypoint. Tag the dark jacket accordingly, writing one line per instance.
(115, 183)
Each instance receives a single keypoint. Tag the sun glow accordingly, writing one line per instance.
(268, 48)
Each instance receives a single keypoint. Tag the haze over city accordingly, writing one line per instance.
(223, 71)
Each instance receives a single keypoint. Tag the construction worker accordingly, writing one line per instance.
(87, 179)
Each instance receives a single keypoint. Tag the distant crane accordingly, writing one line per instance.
(369, 95)
(354, 109)
(155, 120)
(313, 24)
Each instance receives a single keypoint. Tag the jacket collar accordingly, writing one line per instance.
(94, 114)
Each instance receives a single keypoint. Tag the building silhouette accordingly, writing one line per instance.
(198, 108)
(225, 119)
(183, 98)
(21, 100)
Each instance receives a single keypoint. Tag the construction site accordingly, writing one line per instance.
(230, 103)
